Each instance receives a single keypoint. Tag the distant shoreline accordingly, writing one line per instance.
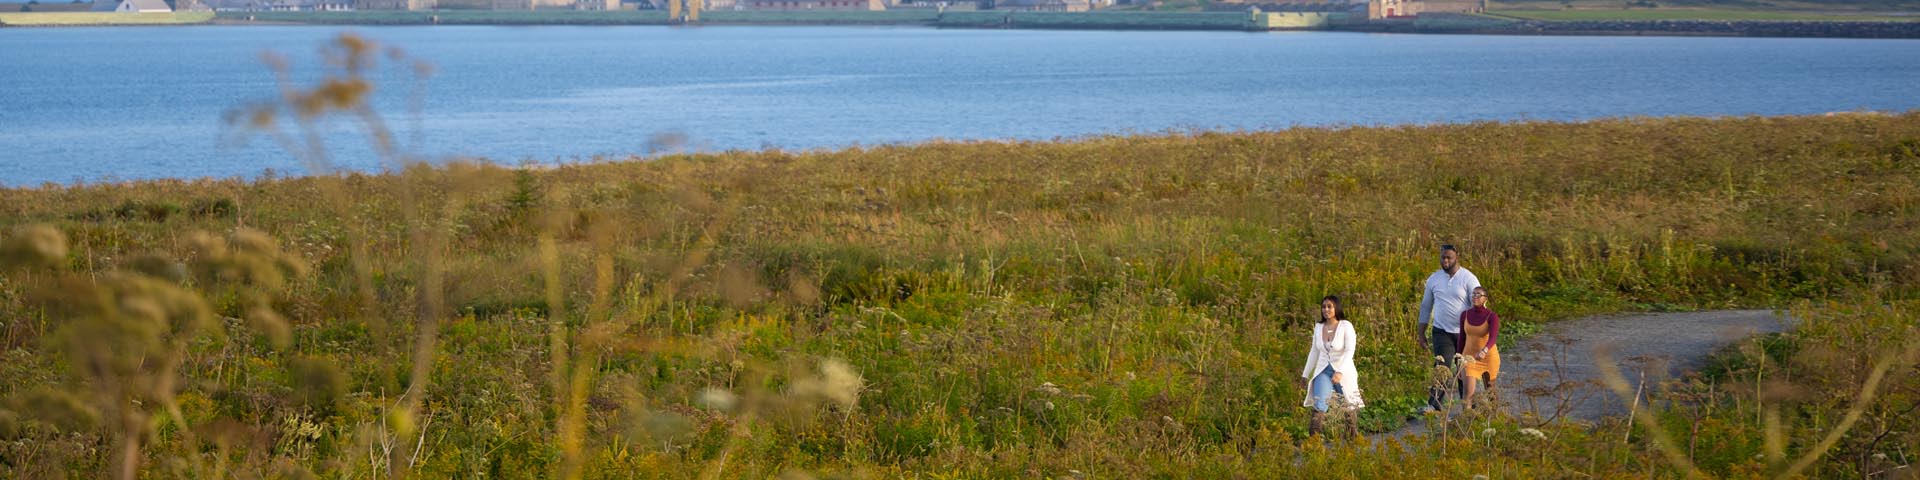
(990, 19)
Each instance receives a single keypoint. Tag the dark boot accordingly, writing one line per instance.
(1353, 424)
(1315, 424)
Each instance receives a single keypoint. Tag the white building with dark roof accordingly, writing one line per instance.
(132, 6)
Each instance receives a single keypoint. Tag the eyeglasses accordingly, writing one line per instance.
(1480, 295)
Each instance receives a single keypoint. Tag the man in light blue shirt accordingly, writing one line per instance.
(1447, 294)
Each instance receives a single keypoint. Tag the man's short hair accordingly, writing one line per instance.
(1448, 247)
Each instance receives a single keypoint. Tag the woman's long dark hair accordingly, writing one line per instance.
(1339, 312)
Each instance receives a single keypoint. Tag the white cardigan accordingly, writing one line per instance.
(1339, 354)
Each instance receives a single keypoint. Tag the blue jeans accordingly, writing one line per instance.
(1323, 388)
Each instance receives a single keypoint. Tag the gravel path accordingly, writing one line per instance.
(1562, 357)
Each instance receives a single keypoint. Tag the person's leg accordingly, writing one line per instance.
(1444, 349)
(1473, 384)
(1323, 388)
(1459, 346)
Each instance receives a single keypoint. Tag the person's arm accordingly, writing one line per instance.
(1313, 357)
(1347, 342)
(1426, 304)
(1493, 327)
(1426, 309)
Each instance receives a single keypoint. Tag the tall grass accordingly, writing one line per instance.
(1112, 306)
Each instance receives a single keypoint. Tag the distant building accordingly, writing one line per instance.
(1450, 6)
(286, 6)
(1328, 6)
(1043, 5)
(394, 4)
(1385, 9)
(940, 5)
(533, 4)
(132, 6)
(854, 5)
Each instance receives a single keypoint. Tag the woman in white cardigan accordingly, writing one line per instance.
(1329, 368)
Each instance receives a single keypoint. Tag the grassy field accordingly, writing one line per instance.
(1122, 307)
(1692, 14)
(102, 18)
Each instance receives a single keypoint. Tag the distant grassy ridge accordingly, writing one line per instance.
(42, 19)
(1692, 14)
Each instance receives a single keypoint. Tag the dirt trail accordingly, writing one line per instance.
(1562, 355)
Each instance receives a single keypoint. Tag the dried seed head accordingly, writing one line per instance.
(9, 425)
(158, 266)
(1048, 388)
(272, 325)
(319, 382)
(837, 382)
(738, 286)
(247, 240)
(718, 399)
(60, 408)
(34, 246)
(802, 291)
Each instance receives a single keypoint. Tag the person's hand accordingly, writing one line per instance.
(1336, 377)
(1421, 339)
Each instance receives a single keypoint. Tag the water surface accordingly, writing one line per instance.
(93, 104)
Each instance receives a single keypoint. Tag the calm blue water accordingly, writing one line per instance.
(92, 104)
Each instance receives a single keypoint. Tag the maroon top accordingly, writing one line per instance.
(1478, 316)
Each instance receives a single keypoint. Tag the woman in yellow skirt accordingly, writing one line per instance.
(1480, 326)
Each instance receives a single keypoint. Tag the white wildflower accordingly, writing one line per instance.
(837, 382)
(1049, 388)
(1536, 434)
(717, 399)
(1488, 432)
